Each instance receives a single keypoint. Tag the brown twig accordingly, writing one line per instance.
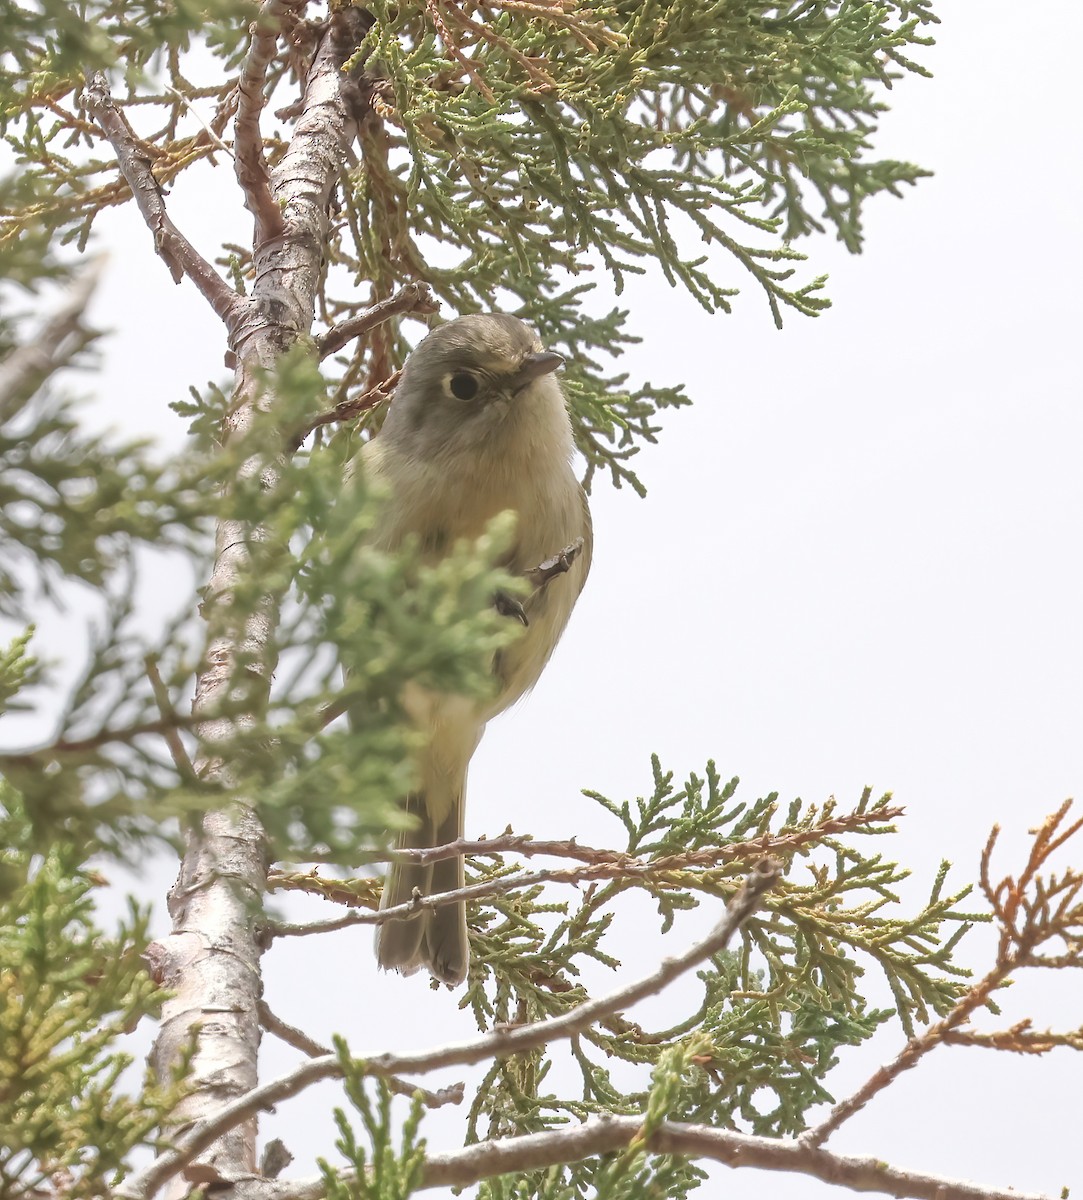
(1030, 911)
(627, 868)
(559, 564)
(451, 45)
(208, 128)
(290, 1034)
(53, 346)
(541, 80)
(1018, 1039)
(521, 843)
(104, 737)
(514, 1156)
(175, 250)
(562, 14)
(300, 1040)
(410, 298)
(347, 410)
(599, 865)
(249, 159)
(501, 1044)
(185, 767)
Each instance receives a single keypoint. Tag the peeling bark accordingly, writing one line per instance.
(211, 960)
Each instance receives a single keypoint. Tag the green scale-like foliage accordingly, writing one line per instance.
(769, 1017)
(513, 153)
(84, 510)
(754, 1034)
(510, 152)
(602, 135)
(68, 993)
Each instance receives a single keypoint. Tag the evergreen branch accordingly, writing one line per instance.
(626, 870)
(411, 908)
(599, 864)
(53, 346)
(300, 1040)
(540, 79)
(410, 298)
(179, 255)
(503, 1043)
(772, 845)
(1030, 897)
(469, 65)
(249, 159)
(562, 14)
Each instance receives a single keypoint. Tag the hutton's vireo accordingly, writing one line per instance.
(478, 425)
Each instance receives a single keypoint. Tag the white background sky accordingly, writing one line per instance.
(858, 564)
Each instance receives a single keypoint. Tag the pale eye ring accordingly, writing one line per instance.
(463, 385)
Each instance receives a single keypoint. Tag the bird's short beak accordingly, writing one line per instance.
(534, 366)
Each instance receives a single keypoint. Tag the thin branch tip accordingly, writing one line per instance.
(414, 298)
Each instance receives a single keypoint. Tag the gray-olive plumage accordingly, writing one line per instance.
(478, 426)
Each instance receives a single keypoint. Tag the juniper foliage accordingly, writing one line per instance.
(507, 155)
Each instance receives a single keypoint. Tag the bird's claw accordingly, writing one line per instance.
(507, 606)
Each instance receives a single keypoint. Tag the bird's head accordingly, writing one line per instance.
(480, 380)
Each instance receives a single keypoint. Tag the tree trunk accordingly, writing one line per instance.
(211, 960)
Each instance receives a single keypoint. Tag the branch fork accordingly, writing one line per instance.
(175, 250)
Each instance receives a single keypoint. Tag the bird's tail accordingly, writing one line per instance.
(433, 938)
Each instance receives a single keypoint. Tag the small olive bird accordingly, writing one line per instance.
(478, 425)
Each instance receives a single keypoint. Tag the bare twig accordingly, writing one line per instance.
(290, 1034)
(608, 1135)
(909, 1056)
(300, 1040)
(249, 159)
(346, 410)
(185, 767)
(208, 130)
(63, 747)
(178, 253)
(1030, 910)
(559, 564)
(53, 346)
(1018, 1039)
(410, 298)
(501, 1044)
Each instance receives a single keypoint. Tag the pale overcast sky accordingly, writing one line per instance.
(859, 563)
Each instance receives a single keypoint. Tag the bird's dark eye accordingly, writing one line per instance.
(463, 385)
